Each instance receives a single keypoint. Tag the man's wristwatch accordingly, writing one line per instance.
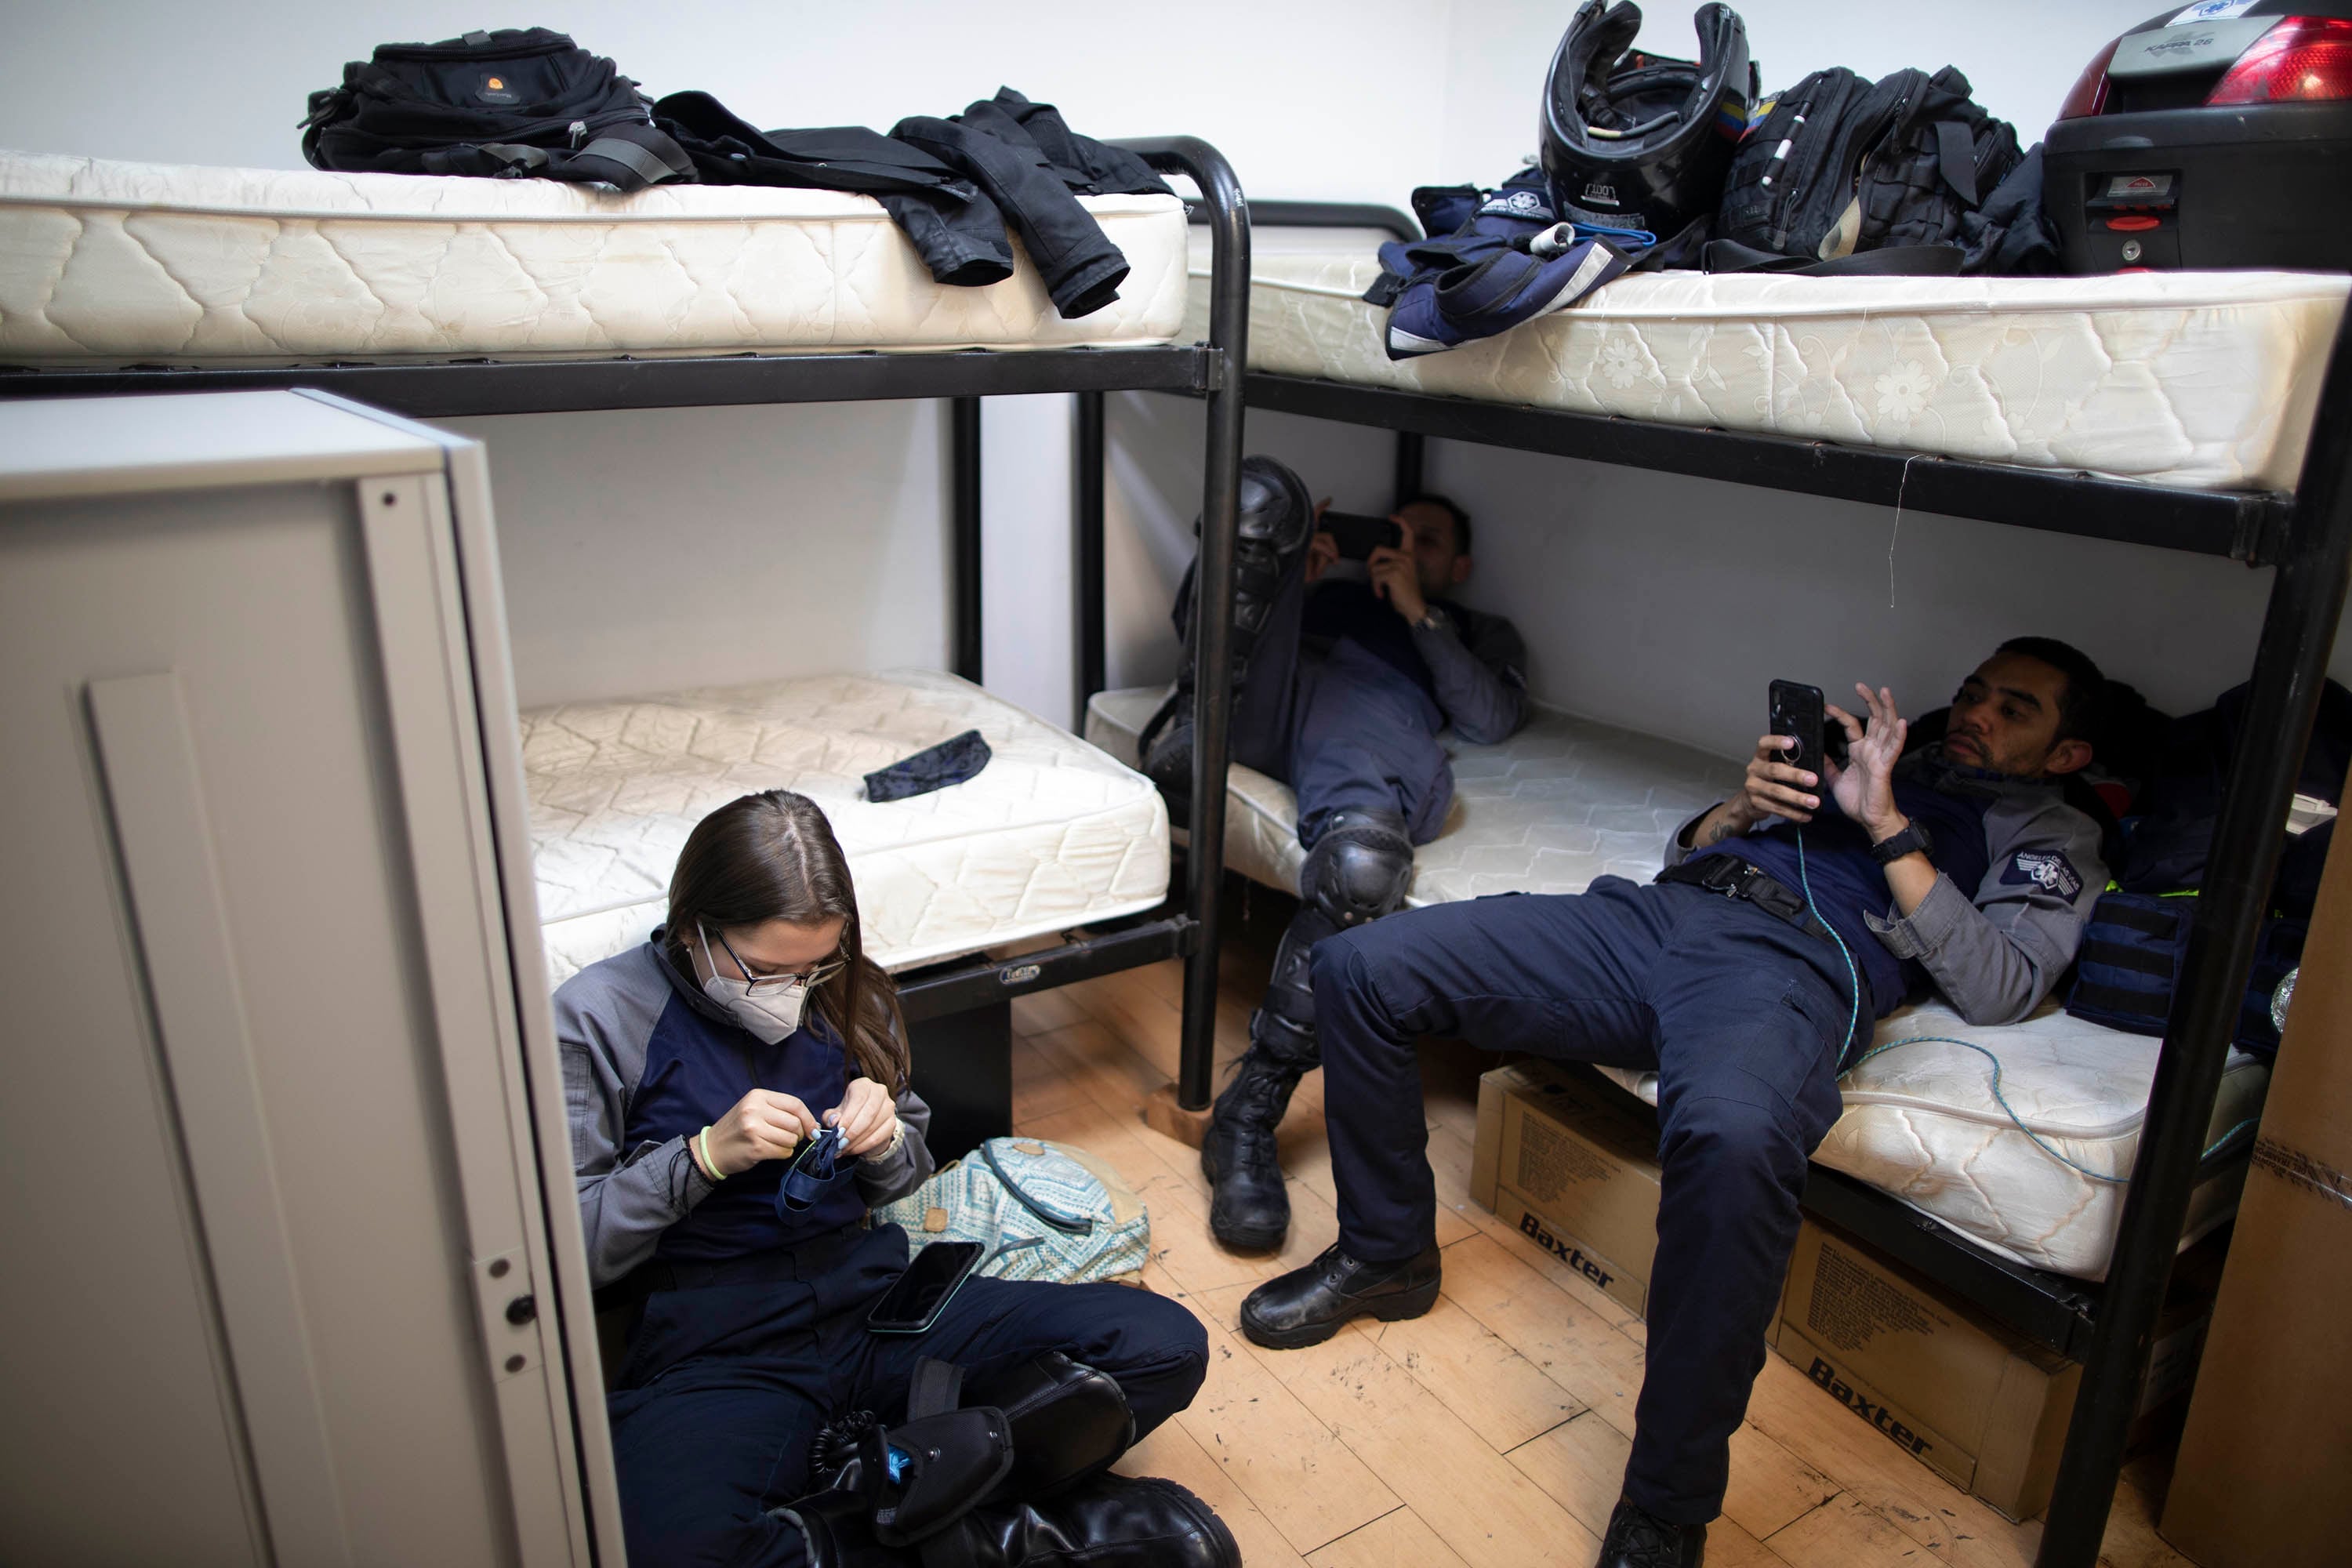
(1432, 619)
(1913, 838)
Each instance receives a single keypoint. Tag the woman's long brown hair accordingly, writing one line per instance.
(772, 857)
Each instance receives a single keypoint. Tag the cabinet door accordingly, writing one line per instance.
(273, 1239)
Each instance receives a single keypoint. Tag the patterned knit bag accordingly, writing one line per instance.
(1046, 1211)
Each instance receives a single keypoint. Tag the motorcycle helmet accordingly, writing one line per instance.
(1637, 140)
(2210, 136)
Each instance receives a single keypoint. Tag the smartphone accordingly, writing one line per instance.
(1358, 535)
(1800, 710)
(920, 1294)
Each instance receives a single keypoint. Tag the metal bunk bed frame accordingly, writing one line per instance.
(2305, 538)
(940, 995)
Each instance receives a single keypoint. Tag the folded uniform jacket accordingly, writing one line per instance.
(1008, 145)
(955, 228)
(951, 762)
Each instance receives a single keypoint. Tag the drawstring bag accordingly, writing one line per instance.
(1044, 1211)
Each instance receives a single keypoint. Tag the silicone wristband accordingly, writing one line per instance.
(702, 1155)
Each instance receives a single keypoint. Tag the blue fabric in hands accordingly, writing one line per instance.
(813, 1172)
(951, 762)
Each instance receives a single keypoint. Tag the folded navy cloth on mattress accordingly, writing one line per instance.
(951, 762)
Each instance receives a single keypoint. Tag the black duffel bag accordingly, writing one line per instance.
(513, 103)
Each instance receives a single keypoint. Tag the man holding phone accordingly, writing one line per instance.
(1343, 683)
(1960, 865)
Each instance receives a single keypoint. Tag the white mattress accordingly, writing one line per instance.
(1051, 832)
(2205, 380)
(1566, 800)
(1563, 801)
(113, 263)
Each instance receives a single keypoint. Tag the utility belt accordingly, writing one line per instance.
(1738, 878)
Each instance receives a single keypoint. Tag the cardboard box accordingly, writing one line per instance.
(1575, 1172)
(1983, 1407)
(2258, 1479)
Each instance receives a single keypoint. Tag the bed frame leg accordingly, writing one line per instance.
(1410, 451)
(1087, 555)
(1213, 697)
(963, 477)
(2290, 664)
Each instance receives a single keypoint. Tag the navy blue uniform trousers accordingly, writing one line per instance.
(1741, 1016)
(726, 1384)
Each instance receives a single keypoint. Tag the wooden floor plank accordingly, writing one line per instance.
(1843, 1533)
(1486, 1510)
(1398, 1540)
(1581, 1465)
(1553, 1329)
(1477, 1374)
(1277, 1452)
(1770, 1487)
(1173, 1453)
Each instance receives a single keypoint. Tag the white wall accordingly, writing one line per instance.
(647, 550)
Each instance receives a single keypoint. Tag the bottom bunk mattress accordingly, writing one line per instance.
(1567, 800)
(1051, 834)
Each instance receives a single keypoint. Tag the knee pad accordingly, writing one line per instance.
(1276, 509)
(1359, 867)
(1066, 1421)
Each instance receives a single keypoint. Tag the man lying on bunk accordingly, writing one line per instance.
(741, 1097)
(1340, 692)
(1735, 975)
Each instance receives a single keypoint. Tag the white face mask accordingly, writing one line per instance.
(767, 1017)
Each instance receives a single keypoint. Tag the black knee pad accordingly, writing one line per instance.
(1068, 1422)
(1360, 868)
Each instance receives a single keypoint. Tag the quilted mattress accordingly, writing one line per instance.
(1050, 834)
(1567, 800)
(2204, 380)
(105, 263)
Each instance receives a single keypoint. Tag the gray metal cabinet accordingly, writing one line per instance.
(290, 1261)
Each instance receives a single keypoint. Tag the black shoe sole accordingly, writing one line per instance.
(1394, 1309)
(1241, 1239)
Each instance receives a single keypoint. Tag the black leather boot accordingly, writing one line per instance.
(1639, 1539)
(1308, 1305)
(1249, 1207)
(1277, 518)
(1109, 1521)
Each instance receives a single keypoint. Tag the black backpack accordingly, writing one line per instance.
(508, 103)
(1840, 167)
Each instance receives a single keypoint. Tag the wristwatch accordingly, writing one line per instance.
(1432, 619)
(1913, 837)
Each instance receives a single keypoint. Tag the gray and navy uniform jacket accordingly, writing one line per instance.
(648, 1062)
(2017, 871)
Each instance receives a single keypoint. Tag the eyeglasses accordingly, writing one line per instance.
(776, 984)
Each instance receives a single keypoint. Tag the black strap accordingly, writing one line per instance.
(2150, 1006)
(2115, 956)
(1956, 158)
(2165, 924)
(1892, 261)
(935, 1388)
(1068, 1226)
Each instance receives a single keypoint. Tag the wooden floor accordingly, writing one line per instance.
(1491, 1432)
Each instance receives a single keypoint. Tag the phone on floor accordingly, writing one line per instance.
(1800, 710)
(915, 1301)
(1358, 535)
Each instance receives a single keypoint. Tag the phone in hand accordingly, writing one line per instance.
(914, 1302)
(1358, 535)
(1799, 711)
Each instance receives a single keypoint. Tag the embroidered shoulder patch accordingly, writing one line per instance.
(2053, 871)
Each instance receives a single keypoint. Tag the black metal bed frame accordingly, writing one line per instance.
(2305, 538)
(453, 389)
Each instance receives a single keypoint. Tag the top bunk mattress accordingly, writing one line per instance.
(107, 264)
(2200, 380)
(1050, 834)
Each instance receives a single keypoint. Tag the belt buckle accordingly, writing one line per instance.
(1730, 877)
